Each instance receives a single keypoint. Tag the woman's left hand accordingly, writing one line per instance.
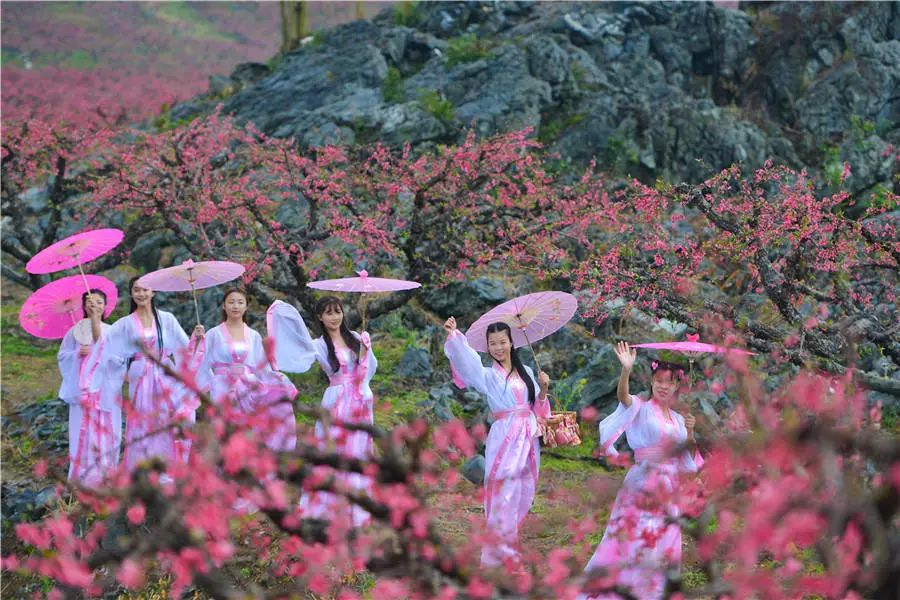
(199, 331)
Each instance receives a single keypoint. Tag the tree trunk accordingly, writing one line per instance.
(293, 23)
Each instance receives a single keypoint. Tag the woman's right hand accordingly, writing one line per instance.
(689, 422)
(450, 325)
(84, 350)
(94, 309)
(626, 355)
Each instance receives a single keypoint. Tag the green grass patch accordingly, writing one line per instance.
(556, 124)
(398, 407)
(467, 48)
(388, 350)
(320, 38)
(165, 122)
(436, 105)
(890, 419)
(188, 20)
(11, 58)
(621, 155)
(362, 582)
(392, 86)
(16, 341)
(594, 538)
(407, 13)
(574, 458)
(693, 579)
(79, 59)
(14, 345)
(30, 371)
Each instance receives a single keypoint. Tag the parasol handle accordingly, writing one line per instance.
(536, 363)
(533, 354)
(363, 305)
(688, 403)
(87, 288)
(194, 295)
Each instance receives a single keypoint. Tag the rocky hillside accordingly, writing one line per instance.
(654, 90)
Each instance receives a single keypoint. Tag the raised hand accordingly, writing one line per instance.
(626, 355)
(94, 308)
(199, 331)
(450, 325)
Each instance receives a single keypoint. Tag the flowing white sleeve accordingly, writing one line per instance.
(370, 365)
(69, 367)
(175, 339)
(188, 352)
(204, 370)
(107, 364)
(465, 363)
(613, 426)
(260, 363)
(295, 349)
(691, 462)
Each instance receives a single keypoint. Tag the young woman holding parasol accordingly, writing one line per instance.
(642, 538)
(94, 434)
(55, 311)
(347, 359)
(517, 400)
(156, 402)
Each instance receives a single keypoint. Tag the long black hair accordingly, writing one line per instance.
(322, 305)
(230, 291)
(514, 358)
(133, 307)
(84, 299)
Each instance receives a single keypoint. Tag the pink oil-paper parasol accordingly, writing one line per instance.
(53, 309)
(192, 276)
(363, 284)
(74, 251)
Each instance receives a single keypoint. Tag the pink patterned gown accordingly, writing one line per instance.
(242, 383)
(638, 544)
(156, 401)
(348, 397)
(512, 454)
(94, 434)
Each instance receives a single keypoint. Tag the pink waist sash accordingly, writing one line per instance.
(341, 379)
(219, 368)
(652, 454)
(522, 413)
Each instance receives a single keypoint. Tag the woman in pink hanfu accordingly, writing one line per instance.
(156, 402)
(642, 541)
(240, 380)
(94, 434)
(347, 359)
(512, 455)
